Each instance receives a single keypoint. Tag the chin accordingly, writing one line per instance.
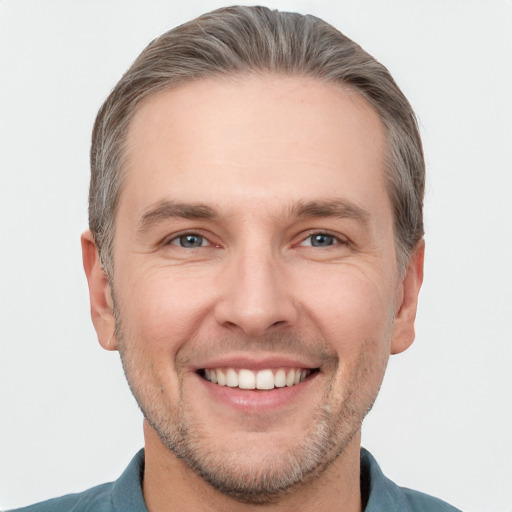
(258, 467)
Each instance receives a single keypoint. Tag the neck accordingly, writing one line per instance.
(170, 485)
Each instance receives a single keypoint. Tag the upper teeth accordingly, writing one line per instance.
(263, 379)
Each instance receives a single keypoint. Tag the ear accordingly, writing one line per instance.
(100, 295)
(407, 303)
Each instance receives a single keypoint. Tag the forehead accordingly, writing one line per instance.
(253, 136)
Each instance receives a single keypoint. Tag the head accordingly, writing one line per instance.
(257, 182)
(250, 40)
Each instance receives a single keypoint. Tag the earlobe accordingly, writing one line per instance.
(100, 295)
(403, 325)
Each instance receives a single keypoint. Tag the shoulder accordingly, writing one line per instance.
(383, 495)
(420, 502)
(123, 495)
(97, 499)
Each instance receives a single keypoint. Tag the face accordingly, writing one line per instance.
(255, 285)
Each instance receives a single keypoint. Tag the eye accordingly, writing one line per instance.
(320, 240)
(190, 241)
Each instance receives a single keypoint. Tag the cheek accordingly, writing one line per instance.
(160, 313)
(354, 300)
(156, 321)
(352, 310)
(355, 321)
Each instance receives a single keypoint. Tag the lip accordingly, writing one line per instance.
(257, 401)
(255, 362)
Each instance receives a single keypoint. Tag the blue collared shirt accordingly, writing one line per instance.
(125, 494)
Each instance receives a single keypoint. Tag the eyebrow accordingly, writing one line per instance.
(337, 208)
(169, 209)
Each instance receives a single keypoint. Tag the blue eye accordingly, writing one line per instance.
(189, 241)
(322, 240)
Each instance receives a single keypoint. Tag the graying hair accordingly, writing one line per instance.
(241, 40)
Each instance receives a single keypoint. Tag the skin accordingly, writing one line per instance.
(271, 161)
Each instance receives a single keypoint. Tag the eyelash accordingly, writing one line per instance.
(176, 239)
(336, 240)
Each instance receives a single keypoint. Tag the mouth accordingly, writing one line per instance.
(264, 380)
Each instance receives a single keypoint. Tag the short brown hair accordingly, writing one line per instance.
(237, 40)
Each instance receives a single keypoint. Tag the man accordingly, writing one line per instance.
(255, 254)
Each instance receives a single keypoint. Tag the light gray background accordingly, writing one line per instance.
(443, 421)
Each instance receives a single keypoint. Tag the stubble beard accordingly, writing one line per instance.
(253, 478)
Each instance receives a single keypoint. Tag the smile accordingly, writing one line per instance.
(263, 379)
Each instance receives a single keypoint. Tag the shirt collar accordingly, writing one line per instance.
(127, 491)
(379, 493)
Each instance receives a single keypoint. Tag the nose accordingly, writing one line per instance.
(255, 294)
